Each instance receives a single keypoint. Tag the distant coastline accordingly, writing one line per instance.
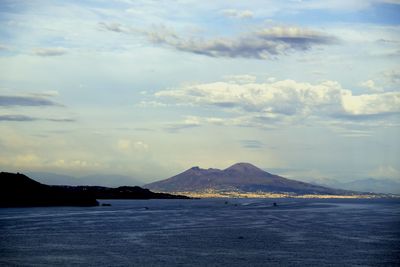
(233, 194)
(18, 190)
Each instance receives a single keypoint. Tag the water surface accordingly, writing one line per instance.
(207, 232)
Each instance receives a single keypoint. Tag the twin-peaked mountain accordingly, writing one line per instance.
(240, 177)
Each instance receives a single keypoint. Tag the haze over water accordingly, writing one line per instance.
(207, 232)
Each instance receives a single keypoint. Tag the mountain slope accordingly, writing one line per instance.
(243, 177)
(373, 185)
(19, 190)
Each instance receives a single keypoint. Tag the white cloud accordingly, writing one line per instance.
(244, 78)
(187, 123)
(48, 93)
(371, 85)
(127, 145)
(371, 104)
(286, 98)
(50, 51)
(385, 171)
(392, 77)
(239, 14)
(153, 104)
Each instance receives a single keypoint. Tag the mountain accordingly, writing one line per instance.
(19, 190)
(107, 180)
(373, 185)
(240, 177)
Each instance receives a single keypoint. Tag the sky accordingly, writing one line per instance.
(302, 88)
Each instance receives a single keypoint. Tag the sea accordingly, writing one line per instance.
(205, 232)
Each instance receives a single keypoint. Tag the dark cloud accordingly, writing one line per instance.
(16, 118)
(50, 51)
(252, 144)
(114, 27)
(259, 44)
(366, 117)
(61, 120)
(25, 101)
(25, 118)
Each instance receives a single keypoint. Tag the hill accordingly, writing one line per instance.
(19, 190)
(240, 177)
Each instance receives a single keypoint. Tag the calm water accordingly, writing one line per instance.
(208, 232)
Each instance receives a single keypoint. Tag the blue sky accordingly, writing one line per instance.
(307, 89)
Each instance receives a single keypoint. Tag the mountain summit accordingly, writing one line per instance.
(240, 177)
(245, 168)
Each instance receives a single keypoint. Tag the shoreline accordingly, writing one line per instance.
(211, 194)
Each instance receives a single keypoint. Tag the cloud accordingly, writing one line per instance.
(4, 47)
(244, 78)
(252, 144)
(127, 145)
(392, 77)
(16, 118)
(251, 120)
(239, 14)
(25, 101)
(371, 104)
(114, 27)
(187, 123)
(50, 51)
(385, 172)
(371, 85)
(25, 118)
(259, 44)
(286, 100)
(153, 104)
(48, 93)
(60, 119)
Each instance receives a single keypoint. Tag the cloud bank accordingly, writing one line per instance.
(286, 99)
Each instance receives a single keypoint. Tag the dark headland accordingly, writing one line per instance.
(18, 190)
